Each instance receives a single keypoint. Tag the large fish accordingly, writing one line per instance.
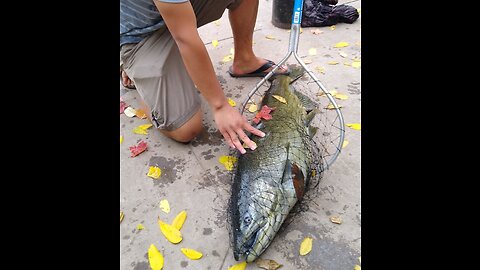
(270, 180)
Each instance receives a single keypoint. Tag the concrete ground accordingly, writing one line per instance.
(193, 179)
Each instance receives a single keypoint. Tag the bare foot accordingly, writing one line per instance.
(126, 81)
(241, 68)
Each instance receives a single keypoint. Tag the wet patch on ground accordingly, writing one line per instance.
(207, 155)
(207, 231)
(219, 176)
(212, 138)
(354, 88)
(141, 266)
(171, 169)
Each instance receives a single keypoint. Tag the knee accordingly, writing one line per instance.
(189, 130)
(187, 135)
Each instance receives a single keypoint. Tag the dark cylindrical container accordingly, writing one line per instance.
(282, 13)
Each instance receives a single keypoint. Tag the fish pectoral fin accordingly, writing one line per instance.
(293, 173)
(298, 181)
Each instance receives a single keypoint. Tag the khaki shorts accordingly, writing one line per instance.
(157, 69)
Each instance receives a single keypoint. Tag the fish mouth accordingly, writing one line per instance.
(246, 249)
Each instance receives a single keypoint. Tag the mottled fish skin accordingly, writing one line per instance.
(271, 179)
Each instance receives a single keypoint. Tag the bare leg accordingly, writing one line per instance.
(185, 133)
(242, 21)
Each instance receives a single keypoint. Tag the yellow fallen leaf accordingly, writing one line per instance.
(267, 264)
(333, 93)
(141, 114)
(306, 246)
(215, 43)
(312, 51)
(356, 64)
(217, 22)
(154, 172)
(301, 30)
(332, 27)
(320, 69)
(331, 107)
(140, 131)
(357, 267)
(145, 127)
(347, 64)
(232, 51)
(345, 143)
(140, 227)
(307, 61)
(342, 54)
(332, 63)
(356, 126)
(179, 220)
(171, 233)
(358, 10)
(155, 258)
(269, 37)
(191, 253)
(238, 266)
(252, 108)
(165, 206)
(341, 96)
(130, 112)
(280, 98)
(246, 146)
(360, 261)
(227, 161)
(341, 44)
(121, 216)
(121, 139)
(227, 58)
(336, 219)
(232, 102)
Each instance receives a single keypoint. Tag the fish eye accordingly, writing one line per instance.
(247, 220)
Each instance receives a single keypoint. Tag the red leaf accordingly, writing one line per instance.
(263, 113)
(123, 106)
(137, 149)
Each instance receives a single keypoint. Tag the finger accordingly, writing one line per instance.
(246, 140)
(253, 130)
(236, 142)
(227, 138)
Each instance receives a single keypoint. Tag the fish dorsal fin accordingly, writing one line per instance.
(306, 102)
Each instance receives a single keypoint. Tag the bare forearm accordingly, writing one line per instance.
(200, 69)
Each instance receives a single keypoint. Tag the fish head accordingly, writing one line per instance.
(249, 222)
(256, 227)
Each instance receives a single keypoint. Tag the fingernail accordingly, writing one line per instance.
(253, 147)
(242, 151)
(263, 134)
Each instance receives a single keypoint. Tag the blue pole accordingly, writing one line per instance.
(297, 12)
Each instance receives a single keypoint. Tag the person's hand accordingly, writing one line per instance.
(232, 125)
